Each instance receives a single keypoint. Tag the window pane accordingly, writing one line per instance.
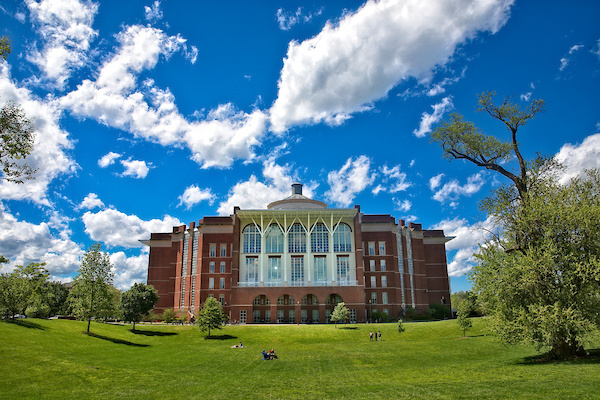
(342, 238)
(274, 269)
(274, 239)
(297, 239)
(319, 239)
(251, 239)
(222, 267)
(297, 271)
(343, 266)
(251, 269)
(381, 248)
(320, 266)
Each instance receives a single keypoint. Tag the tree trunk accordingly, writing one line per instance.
(561, 349)
(88, 327)
(133, 325)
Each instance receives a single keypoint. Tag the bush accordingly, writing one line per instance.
(438, 311)
(169, 315)
(41, 311)
(380, 316)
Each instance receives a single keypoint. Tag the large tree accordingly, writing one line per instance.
(21, 288)
(538, 277)
(91, 295)
(211, 316)
(16, 135)
(138, 302)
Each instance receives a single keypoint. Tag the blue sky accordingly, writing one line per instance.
(154, 114)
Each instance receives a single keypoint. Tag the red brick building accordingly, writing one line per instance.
(295, 260)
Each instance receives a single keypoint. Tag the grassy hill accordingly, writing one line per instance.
(55, 359)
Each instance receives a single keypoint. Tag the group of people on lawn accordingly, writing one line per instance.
(269, 355)
(374, 335)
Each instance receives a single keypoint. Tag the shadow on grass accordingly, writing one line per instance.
(348, 327)
(152, 333)
(26, 324)
(117, 341)
(592, 357)
(219, 337)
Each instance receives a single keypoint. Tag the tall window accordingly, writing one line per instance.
(251, 239)
(381, 248)
(223, 250)
(222, 267)
(252, 269)
(222, 299)
(297, 271)
(373, 281)
(342, 238)
(319, 239)
(372, 264)
(343, 267)
(384, 298)
(275, 269)
(374, 298)
(371, 248)
(274, 239)
(384, 281)
(297, 239)
(212, 250)
(211, 283)
(211, 267)
(222, 283)
(320, 270)
(382, 265)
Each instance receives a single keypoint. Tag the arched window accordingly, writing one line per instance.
(297, 239)
(319, 239)
(251, 239)
(342, 238)
(274, 239)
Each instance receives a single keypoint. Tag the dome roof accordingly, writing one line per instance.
(297, 201)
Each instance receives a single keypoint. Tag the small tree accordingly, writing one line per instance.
(401, 328)
(138, 302)
(340, 313)
(169, 315)
(463, 310)
(91, 296)
(211, 316)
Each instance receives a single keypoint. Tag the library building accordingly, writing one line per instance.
(294, 261)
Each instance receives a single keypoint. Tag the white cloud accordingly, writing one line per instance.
(90, 202)
(351, 179)
(194, 195)
(404, 206)
(435, 181)
(525, 96)
(453, 190)
(153, 13)
(465, 243)
(24, 242)
(50, 152)
(135, 168)
(116, 229)
(351, 64)
(108, 159)
(287, 20)
(115, 99)
(564, 62)
(66, 30)
(394, 180)
(254, 194)
(129, 270)
(427, 120)
(576, 158)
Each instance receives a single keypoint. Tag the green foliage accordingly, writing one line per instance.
(169, 315)
(438, 311)
(380, 316)
(91, 296)
(5, 47)
(22, 288)
(16, 143)
(471, 298)
(463, 310)
(340, 313)
(211, 316)
(401, 328)
(138, 302)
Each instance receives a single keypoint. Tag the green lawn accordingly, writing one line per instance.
(55, 359)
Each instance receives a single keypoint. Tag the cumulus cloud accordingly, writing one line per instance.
(66, 30)
(90, 202)
(427, 120)
(351, 64)
(117, 99)
(403, 206)
(576, 158)
(24, 242)
(194, 195)
(129, 269)
(50, 154)
(254, 194)
(108, 159)
(435, 181)
(135, 168)
(117, 229)
(453, 190)
(467, 239)
(393, 180)
(564, 62)
(348, 181)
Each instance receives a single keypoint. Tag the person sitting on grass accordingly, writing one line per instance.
(272, 354)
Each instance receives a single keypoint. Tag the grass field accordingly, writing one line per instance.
(56, 359)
